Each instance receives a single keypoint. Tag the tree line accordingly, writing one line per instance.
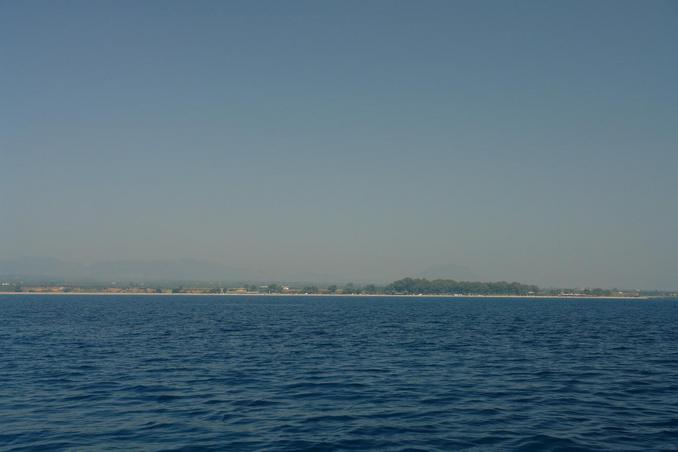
(450, 286)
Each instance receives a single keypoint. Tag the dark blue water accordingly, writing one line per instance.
(287, 373)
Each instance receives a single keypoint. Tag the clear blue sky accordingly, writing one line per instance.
(531, 141)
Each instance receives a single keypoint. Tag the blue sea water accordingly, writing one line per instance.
(337, 373)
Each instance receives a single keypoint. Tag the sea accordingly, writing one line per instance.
(286, 373)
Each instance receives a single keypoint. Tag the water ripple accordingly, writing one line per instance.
(208, 373)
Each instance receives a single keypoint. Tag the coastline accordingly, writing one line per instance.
(143, 294)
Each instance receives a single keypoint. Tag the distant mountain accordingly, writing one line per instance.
(39, 268)
(165, 270)
(183, 269)
(300, 277)
(448, 271)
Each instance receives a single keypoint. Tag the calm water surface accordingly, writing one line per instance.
(293, 373)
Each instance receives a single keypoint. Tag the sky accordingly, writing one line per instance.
(534, 141)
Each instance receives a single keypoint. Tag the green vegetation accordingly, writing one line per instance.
(449, 286)
(405, 286)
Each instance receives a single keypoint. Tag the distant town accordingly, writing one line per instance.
(406, 286)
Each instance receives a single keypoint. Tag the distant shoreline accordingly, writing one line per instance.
(142, 294)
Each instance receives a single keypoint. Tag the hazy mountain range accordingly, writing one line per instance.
(47, 268)
(448, 271)
(41, 268)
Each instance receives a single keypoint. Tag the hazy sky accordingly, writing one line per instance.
(531, 141)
